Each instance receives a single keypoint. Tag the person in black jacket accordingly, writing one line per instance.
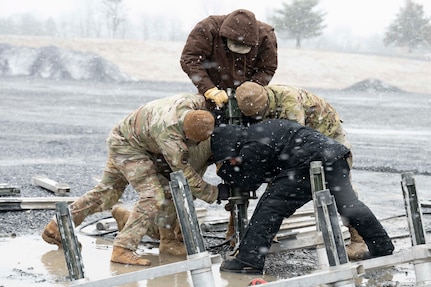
(279, 152)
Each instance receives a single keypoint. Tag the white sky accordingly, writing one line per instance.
(359, 17)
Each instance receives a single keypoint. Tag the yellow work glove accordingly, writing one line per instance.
(219, 97)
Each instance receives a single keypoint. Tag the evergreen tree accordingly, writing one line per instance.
(298, 21)
(410, 29)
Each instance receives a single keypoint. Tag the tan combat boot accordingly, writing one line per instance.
(127, 256)
(169, 244)
(178, 232)
(51, 234)
(121, 215)
(357, 247)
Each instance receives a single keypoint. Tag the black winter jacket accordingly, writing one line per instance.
(269, 150)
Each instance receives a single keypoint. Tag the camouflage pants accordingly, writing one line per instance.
(340, 136)
(127, 165)
(147, 174)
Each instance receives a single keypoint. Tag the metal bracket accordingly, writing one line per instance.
(330, 227)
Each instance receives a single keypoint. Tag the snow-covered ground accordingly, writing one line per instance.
(159, 61)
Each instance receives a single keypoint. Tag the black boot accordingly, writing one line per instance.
(379, 246)
(237, 266)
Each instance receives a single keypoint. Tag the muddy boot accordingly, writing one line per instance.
(178, 233)
(51, 234)
(127, 256)
(169, 244)
(120, 215)
(357, 249)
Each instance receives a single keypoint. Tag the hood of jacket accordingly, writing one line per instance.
(226, 142)
(241, 26)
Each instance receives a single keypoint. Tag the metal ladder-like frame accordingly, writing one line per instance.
(335, 270)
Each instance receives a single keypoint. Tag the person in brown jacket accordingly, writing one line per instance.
(223, 51)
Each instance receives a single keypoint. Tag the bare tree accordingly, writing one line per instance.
(116, 15)
(91, 19)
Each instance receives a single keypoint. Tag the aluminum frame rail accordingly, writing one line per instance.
(198, 262)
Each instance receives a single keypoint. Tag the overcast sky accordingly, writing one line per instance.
(360, 17)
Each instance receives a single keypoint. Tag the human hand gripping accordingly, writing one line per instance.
(223, 192)
(219, 97)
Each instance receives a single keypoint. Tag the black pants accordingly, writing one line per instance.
(291, 191)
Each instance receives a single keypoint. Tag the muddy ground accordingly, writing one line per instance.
(57, 129)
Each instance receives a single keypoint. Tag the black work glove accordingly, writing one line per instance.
(223, 192)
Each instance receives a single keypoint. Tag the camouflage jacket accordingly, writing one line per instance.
(286, 102)
(156, 128)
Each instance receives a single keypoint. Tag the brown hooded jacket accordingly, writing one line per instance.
(209, 63)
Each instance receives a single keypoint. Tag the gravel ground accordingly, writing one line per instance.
(58, 129)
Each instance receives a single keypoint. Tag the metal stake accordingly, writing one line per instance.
(330, 227)
(414, 217)
(71, 247)
(414, 214)
(317, 179)
(190, 228)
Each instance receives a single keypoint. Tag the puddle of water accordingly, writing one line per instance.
(28, 260)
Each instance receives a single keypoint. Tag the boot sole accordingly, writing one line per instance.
(245, 270)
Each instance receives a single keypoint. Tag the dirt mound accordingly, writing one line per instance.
(57, 63)
(373, 85)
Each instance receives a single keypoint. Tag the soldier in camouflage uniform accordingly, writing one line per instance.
(304, 107)
(143, 148)
(291, 103)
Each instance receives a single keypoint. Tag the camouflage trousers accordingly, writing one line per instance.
(340, 136)
(147, 174)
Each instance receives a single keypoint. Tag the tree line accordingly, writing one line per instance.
(297, 20)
